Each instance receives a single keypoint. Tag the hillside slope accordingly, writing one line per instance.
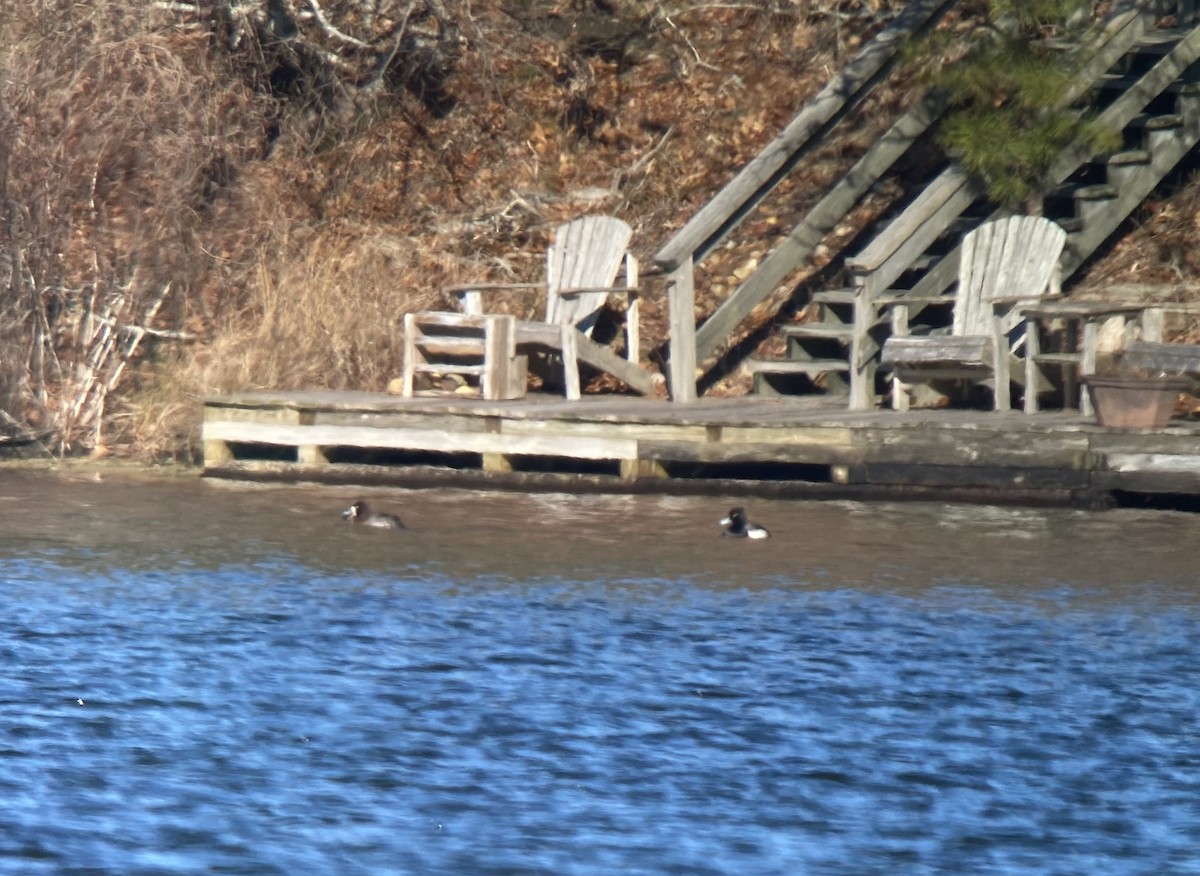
(247, 229)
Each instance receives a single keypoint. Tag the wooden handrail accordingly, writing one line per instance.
(822, 218)
(931, 212)
(720, 215)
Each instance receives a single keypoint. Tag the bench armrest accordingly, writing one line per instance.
(919, 300)
(470, 297)
(1028, 300)
(491, 287)
(581, 290)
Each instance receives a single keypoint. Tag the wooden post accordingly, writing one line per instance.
(633, 309)
(1087, 363)
(570, 360)
(505, 372)
(1001, 376)
(1033, 349)
(410, 353)
(900, 329)
(681, 297)
(862, 359)
(1071, 374)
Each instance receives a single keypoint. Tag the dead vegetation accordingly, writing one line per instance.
(206, 197)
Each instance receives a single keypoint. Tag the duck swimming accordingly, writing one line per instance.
(737, 526)
(359, 512)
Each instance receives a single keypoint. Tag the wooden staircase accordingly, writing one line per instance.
(693, 344)
(818, 352)
(1143, 83)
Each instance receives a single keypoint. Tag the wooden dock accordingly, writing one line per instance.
(773, 446)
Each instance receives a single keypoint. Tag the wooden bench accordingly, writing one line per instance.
(481, 346)
(1161, 359)
(951, 356)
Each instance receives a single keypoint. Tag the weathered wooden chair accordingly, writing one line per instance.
(1005, 264)
(582, 266)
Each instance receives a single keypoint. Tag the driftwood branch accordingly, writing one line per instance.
(332, 31)
(110, 346)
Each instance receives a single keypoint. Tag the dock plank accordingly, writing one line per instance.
(584, 447)
(1154, 462)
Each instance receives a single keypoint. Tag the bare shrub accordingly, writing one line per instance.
(112, 143)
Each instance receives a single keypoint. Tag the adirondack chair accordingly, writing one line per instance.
(581, 272)
(1005, 264)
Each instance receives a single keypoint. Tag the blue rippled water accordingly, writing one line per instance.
(273, 715)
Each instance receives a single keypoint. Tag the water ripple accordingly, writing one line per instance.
(276, 716)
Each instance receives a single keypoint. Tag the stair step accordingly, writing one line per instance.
(1098, 192)
(818, 330)
(446, 368)
(1129, 156)
(925, 261)
(796, 366)
(834, 296)
(451, 345)
(1164, 132)
(1124, 81)
(1160, 41)
(1164, 122)
(1189, 96)
(1058, 358)
(1125, 168)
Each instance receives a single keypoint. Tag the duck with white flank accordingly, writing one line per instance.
(737, 526)
(359, 512)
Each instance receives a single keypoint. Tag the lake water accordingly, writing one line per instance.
(208, 678)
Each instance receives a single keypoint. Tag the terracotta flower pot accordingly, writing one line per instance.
(1126, 402)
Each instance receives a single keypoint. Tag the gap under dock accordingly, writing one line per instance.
(770, 446)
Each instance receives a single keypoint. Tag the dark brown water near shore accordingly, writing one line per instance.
(146, 520)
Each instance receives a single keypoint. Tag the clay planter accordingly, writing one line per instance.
(1123, 402)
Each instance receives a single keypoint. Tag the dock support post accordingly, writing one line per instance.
(311, 454)
(635, 469)
(1153, 321)
(496, 462)
(216, 451)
